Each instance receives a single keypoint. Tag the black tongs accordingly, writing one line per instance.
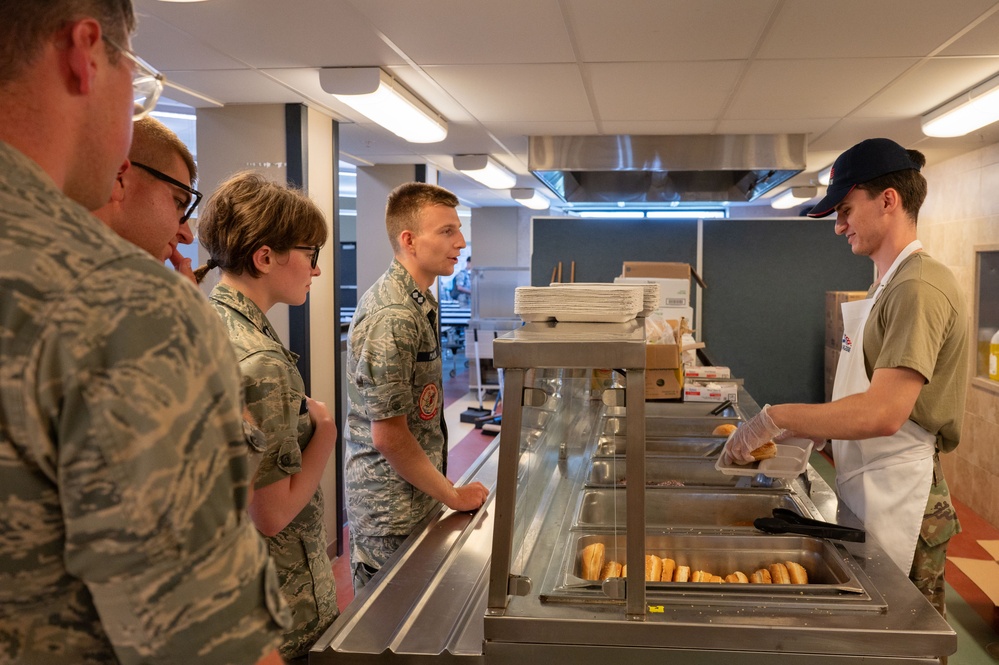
(788, 521)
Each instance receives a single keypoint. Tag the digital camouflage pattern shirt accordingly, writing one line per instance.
(275, 397)
(393, 369)
(124, 535)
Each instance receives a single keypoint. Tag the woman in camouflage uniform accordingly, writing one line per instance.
(265, 238)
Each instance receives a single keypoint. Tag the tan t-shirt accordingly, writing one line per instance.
(921, 322)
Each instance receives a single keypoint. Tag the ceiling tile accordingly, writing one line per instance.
(662, 91)
(803, 89)
(437, 32)
(861, 28)
(674, 30)
(931, 84)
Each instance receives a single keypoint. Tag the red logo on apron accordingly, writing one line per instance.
(428, 401)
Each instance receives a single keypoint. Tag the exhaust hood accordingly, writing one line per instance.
(665, 169)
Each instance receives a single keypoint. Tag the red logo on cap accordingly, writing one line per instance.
(832, 174)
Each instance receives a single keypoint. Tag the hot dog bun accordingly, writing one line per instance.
(738, 577)
(653, 568)
(700, 576)
(610, 569)
(723, 430)
(669, 566)
(592, 561)
(682, 574)
(796, 572)
(778, 573)
(761, 576)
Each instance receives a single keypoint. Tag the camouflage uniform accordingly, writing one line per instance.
(939, 525)
(275, 397)
(123, 482)
(393, 369)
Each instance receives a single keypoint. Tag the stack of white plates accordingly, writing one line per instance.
(650, 292)
(603, 303)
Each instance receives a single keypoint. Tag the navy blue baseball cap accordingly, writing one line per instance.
(862, 163)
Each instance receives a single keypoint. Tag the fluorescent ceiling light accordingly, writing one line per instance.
(685, 214)
(973, 109)
(383, 100)
(530, 198)
(610, 214)
(825, 176)
(792, 196)
(485, 170)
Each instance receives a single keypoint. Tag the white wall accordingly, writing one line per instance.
(501, 237)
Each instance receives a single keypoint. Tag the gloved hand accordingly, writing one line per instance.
(749, 436)
(817, 444)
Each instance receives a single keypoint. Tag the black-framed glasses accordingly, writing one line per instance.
(147, 82)
(159, 175)
(315, 253)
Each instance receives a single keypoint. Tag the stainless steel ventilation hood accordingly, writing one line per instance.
(665, 169)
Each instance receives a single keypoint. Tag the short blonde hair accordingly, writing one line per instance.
(249, 211)
(153, 143)
(407, 201)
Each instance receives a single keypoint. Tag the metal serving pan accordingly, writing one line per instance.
(599, 508)
(722, 554)
(660, 427)
(665, 471)
(688, 446)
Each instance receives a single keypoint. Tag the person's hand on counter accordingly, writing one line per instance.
(749, 436)
(467, 497)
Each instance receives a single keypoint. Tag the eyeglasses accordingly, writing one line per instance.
(190, 204)
(315, 253)
(147, 82)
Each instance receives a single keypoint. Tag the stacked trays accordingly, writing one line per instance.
(604, 303)
(650, 292)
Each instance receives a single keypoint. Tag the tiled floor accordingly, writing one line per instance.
(970, 611)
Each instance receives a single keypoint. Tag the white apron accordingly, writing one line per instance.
(886, 480)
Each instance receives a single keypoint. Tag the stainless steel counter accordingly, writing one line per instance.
(432, 601)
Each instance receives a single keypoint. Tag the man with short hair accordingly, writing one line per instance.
(395, 459)
(124, 535)
(898, 397)
(153, 197)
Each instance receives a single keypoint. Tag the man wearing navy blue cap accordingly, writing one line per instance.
(900, 384)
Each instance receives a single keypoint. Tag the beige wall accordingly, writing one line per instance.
(960, 213)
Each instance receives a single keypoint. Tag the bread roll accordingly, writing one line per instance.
(761, 576)
(682, 574)
(796, 572)
(593, 561)
(724, 430)
(716, 578)
(653, 568)
(766, 451)
(700, 576)
(778, 573)
(669, 566)
(738, 577)
(610, 569)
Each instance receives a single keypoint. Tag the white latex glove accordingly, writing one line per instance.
(749, 436)
(817, 444)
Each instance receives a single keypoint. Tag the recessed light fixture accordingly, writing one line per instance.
(973, 109)
(792, 196)
(529, 197)
(485, 170)
(382, 99)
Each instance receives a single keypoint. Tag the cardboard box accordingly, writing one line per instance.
(707, 372)
(673, 279)
(834, 315)
(663, 370)
(695, 391)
